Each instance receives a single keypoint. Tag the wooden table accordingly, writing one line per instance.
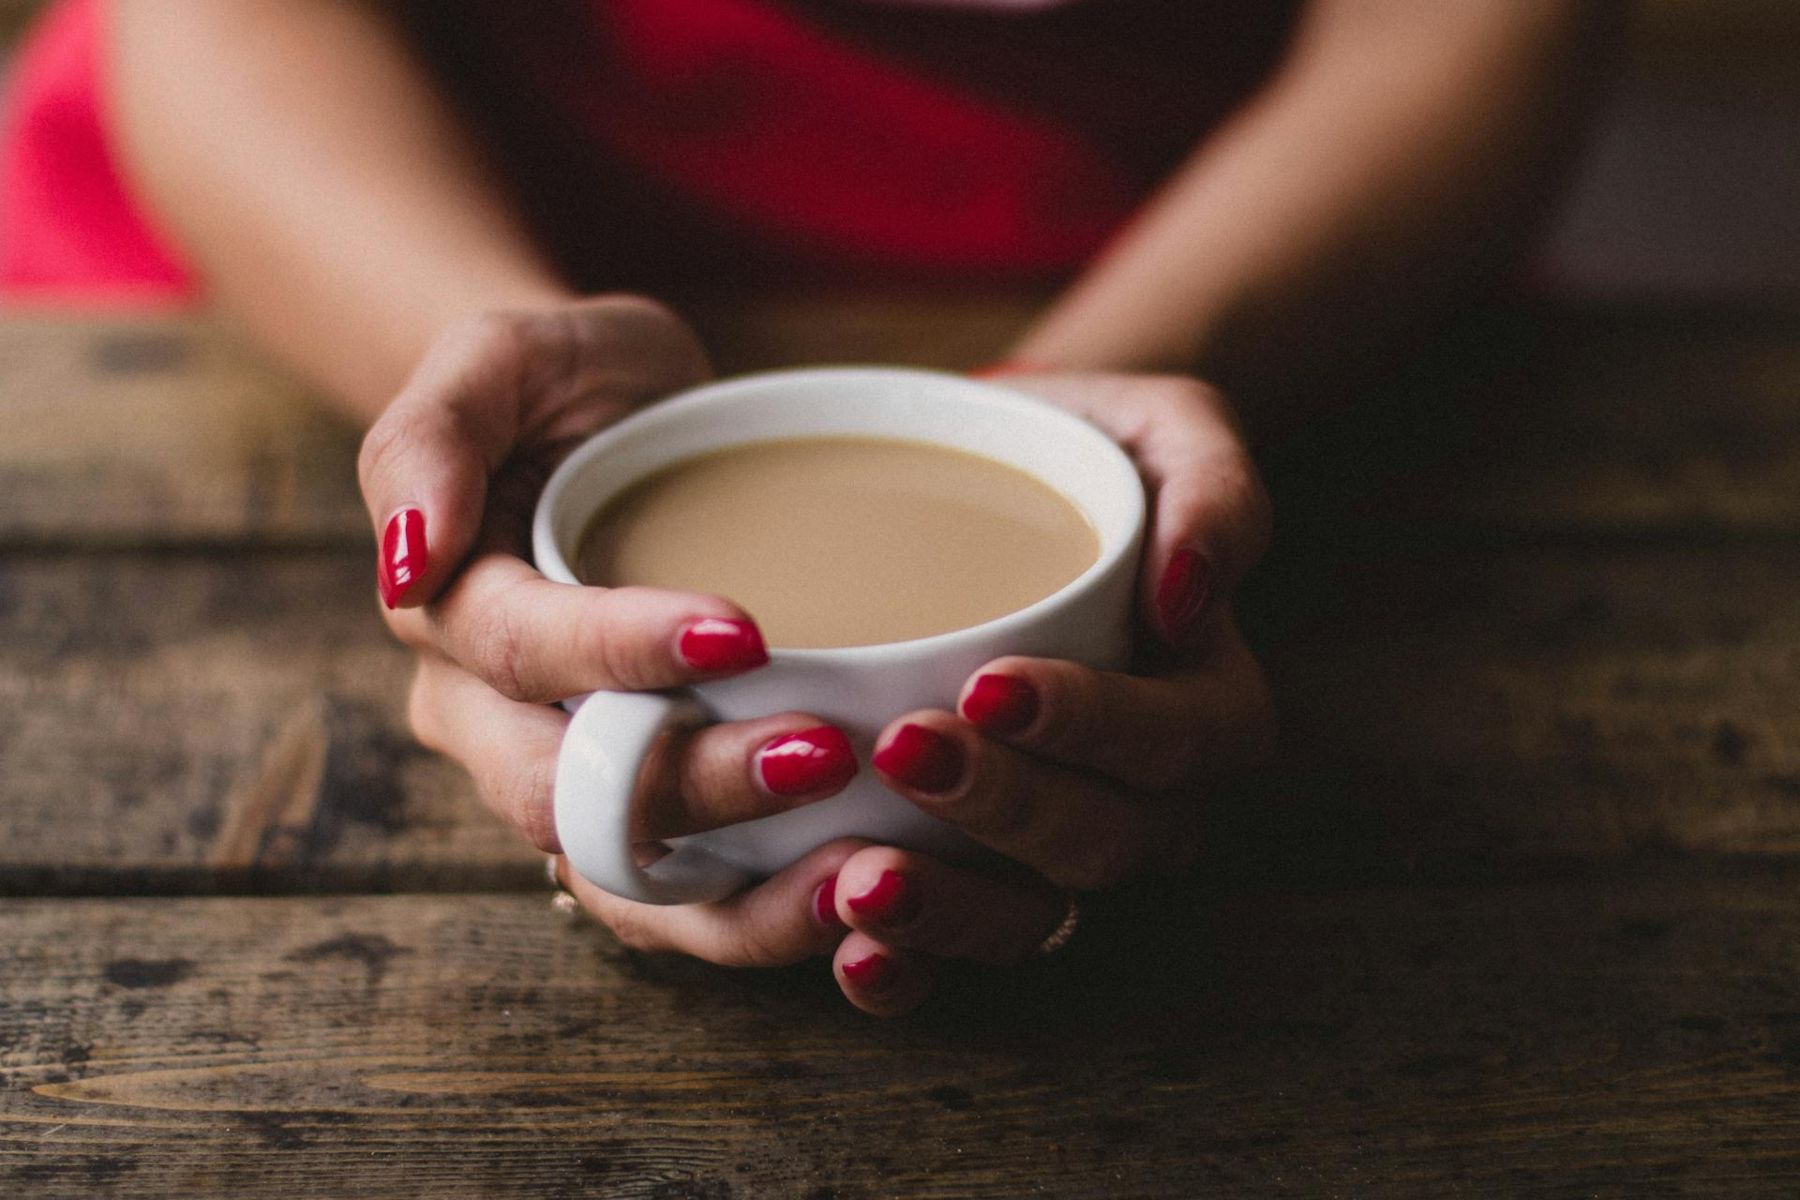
(1517, 913)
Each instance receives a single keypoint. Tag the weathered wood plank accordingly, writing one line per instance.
(1629, 422)
(1561, 700)
(1600, 1037)
(203, 722)
(164, 432)
(161, 430)
(200, 722)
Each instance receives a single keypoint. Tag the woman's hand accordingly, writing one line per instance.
(497, 641)
(1086, 777)
(451, 473)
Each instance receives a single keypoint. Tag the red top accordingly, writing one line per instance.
(820, 136)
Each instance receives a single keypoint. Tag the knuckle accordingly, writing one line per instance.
(1103, 858)
(491, 348)
(524, 800)
(387, 437)
(489, 331)
(1182, 402)
(633, 929)
(627, 663)
(1184, 391)
(1000, 808)
(750, 944)
(500, 655)
(666, 343)
(639, 307)
(1223, 502)
(705, 789)
(1072, 703)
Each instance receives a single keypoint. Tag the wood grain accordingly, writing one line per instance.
(1538, 701)
(1635, 1037)
(196, 722)
(1533, 601)
(1624, 423)
(191, 722)
(164, 432)
(1531, 616)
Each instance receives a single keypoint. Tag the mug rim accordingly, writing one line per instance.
(550, 560)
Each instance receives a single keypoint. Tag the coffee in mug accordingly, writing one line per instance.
(791, 427)
(844, 541)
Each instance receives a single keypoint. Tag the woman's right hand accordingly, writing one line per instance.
(451, 472)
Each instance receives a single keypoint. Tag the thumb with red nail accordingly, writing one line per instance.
(450, 473)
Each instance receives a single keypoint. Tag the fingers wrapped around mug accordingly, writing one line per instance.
(490, 384)
(773, 924)
(1077, 828)
(1210, 718)
(704, 779)
(909, 913)
(915, 902)
(535, 640)
(1209, 519)
(882, 979)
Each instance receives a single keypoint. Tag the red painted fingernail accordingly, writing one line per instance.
(872, 972)
(1000, 704)
(921, 759)
(892, 901)
(825, 904)
(403, 557)
(721, 644)
(810, 760)
(1182, 593)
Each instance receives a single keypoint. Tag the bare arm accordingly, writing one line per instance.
(300, 155)
(336, 208)
(1404, 147)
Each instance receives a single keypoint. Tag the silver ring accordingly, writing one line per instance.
(1059, 937)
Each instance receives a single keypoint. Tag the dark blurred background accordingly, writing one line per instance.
(1691, 185)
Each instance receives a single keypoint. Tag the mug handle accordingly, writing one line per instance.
(611, 736)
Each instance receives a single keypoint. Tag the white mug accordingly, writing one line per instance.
(857, 688)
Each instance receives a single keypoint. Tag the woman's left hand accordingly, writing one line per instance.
(1085, 777)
